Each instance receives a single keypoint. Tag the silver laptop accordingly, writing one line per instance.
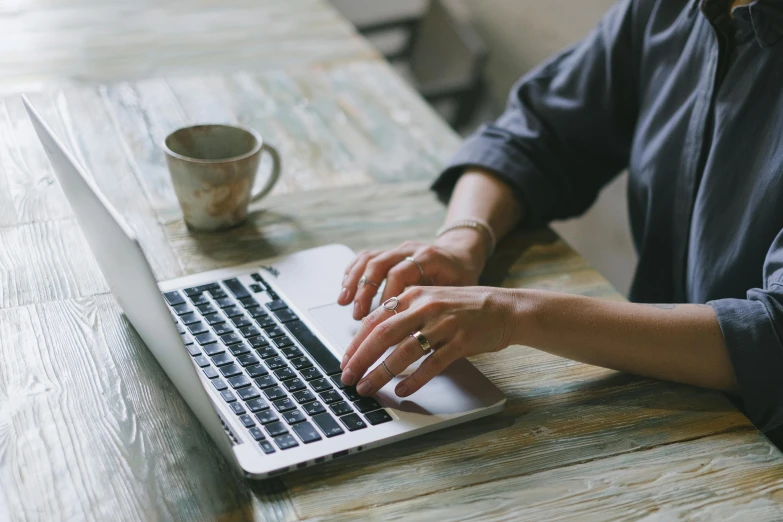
(254, 350)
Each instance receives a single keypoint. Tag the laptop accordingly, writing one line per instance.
(255, 349)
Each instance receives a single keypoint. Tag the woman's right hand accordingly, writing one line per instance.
(455, 259)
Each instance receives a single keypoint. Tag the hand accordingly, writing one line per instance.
(455, 259)
(457, 322)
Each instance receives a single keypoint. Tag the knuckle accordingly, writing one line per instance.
(383, 331)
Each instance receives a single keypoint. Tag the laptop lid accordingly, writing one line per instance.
(131, 280)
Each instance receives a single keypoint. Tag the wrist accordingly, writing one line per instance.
(466, 241)
(527, 315)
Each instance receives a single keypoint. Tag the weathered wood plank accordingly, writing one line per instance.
(735, 476)
(81, 434)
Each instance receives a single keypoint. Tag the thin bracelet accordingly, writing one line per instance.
(475, 224)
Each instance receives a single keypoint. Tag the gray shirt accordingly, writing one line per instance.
(688, 99)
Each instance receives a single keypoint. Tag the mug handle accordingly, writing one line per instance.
(273, 176)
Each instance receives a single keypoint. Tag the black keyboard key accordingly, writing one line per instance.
(248, 393)
(213, 319)
(228, 396)
(224, 302)
(378, 417)
(222, 328)
(274, 331)
(300, 363)
(239, 381)
(313, 408)
(307, 432)
(331, 396)
(236, 288)
(256, 433)
(273, 363)
(337, 380)
(353, 422)
(274, 393)
(255, 287)
(265, 382)
(328, 425)
(249, 331)
(272, 295)
(320, 353)
(352, 394)
(242, 321)
(187, 339)
(198, 328)
(206, 309)
(341, 408)
(294, 417)
(173, 298)
(237, 408)
(366, 404)
(282, 405)
(222, 359)
(256, 312)
(266, 447)
(256, 405)
(293, 385)
(258, 342)
(283, 341)
(183, 308)
(247, 421)
(257, 278)
(232, 311)
(266, 416)
(267, 352)
(247, 359)
(202, 361)
(277, 304)
(193, 350)
(285, 441)
(213, 349)
(303, 396)
(206, 338)
(310, 374)
(257, 370)
(286, 316)
(230, 338)
(219, 384)
(320, 385)
(239, 349)
(217, 293)
(190, 292)
(189, 318)
(276, 428)
(199, 300)
(284, 373)
(210, 372)
(230, 370)
(248, 302)
(291, 352)
(265, 322)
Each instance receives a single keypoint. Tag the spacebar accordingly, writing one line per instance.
(314, 347)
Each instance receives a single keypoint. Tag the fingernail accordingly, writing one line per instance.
(348, 377)
(364, 388)
(402, 389)
(343, 293)
(345, 276)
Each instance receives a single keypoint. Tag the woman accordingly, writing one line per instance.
(687, 97)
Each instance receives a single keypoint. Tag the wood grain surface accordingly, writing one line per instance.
(90, 426)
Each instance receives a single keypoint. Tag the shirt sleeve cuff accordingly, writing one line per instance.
(756, 354)
(491, 149)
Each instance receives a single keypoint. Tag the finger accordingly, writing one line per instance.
(352, 276)
(375, 272)
(406, 353)
(400, 277)
(433, 365)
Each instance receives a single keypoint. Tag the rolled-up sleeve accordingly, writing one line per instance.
(752, 330)
(567, 128)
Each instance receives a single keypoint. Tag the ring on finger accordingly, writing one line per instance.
(392, 304)
(383, 363)
(364, 281)
(412, 259)
(423, 342)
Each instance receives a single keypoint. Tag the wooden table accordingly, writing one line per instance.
(91, 428)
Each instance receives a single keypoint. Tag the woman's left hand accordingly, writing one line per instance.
(456, 321)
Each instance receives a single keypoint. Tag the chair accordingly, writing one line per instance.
(443, 56)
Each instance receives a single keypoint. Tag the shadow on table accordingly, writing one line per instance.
(511, 249)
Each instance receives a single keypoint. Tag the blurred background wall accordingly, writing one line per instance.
(518, 35)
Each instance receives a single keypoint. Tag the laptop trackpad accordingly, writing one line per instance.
(337, 323)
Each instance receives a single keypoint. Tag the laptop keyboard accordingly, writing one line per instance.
(283, 384)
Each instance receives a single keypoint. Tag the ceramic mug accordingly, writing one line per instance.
(213, 168)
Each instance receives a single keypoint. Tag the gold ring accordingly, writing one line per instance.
(391, 304)
(364, 281)
(413, 260)
(383, 363)
(425, 344)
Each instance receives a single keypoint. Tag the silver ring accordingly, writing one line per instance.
(391, 304)
(383, 363)
(364, 281)
(413, 260)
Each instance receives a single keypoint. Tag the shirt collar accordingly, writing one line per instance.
(762, 20)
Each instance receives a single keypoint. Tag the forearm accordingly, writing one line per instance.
(681, 343)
